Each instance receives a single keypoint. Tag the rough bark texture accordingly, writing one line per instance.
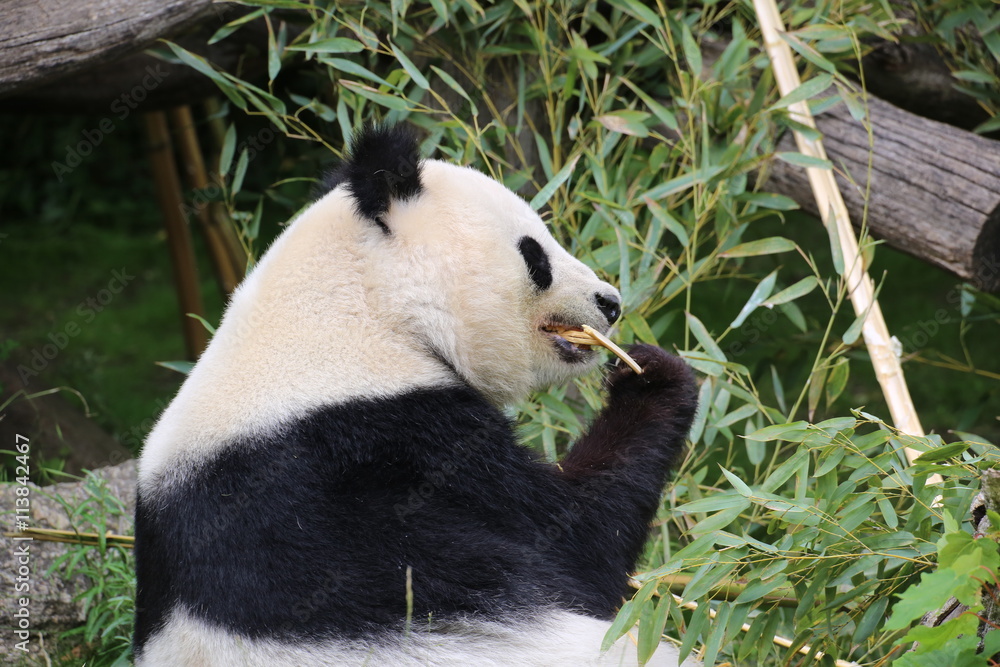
(935, 189)
(913, 75)
(52, 607)
(141, 78)
(45, 39)
(987, 499)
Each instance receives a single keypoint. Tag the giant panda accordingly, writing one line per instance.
(337, 481)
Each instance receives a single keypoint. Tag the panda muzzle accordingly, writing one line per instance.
(580, 340)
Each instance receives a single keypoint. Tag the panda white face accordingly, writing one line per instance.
(488, 286)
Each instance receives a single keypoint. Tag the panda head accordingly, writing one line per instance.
(467, 268)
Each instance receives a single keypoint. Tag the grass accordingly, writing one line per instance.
(111, 361)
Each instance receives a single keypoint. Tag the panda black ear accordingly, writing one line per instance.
(383, 164)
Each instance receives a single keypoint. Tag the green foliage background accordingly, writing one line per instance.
(795, 513)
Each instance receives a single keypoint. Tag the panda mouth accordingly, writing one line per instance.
(565, 340)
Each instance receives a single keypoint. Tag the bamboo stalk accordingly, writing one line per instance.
(834, 213)
(729, 590)
(777, 639)
(168, 194)
(73, 537)
(217, 130)
(227, 269)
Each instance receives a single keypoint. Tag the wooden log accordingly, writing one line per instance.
(141, 80)
(935, 189)
(46, 39)
(988, 498)
(914, 76)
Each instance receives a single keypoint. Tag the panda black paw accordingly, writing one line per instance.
(663, 375)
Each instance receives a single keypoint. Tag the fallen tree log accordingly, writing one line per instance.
(934, 188)
(47, 39)
(143, 79)
(911, 74)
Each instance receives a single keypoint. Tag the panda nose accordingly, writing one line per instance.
(609, 305)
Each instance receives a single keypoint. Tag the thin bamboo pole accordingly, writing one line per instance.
(169, 195)
(833, 212)
(777, 639)
(228, 272)
(73, 537)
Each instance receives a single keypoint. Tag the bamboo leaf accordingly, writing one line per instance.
(183, 367)
(788, 467)
(651, 628)
(817, 381)
(756, 590)
(638, 10)
(801, 160)
(769, 200)
(451, 83)
(411, 69)
(943, 453)
(692, 54)
(208, 327)
(228, 149)
(793, 432)
(626, 121)
(707, 342)
(332, 45)
(806, 90)
(343, 65)
(744, 412)
(738, 484)
(662, 113)
(837, 380)
(545, 194)
(273, 55)
(799, 289)
(684, 182)
(241, 171)
(768, 246)
(628, 615)
(759, 295)
(668, 221)
(714, 503)
(388, 101)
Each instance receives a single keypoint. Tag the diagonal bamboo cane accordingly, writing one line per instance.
(777, 639)
(834, 213)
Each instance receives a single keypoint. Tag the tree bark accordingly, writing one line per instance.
(912, 75)
(143, 79)
(46, 39)
(935, 189)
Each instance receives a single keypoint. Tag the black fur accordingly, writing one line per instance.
(537, 261)
(309, 532)
(383, 165)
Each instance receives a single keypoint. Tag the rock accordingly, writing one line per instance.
(51, 608)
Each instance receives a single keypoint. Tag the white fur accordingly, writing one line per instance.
(555, 639)
(337, 310)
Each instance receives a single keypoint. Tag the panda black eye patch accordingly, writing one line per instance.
(537, 261)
